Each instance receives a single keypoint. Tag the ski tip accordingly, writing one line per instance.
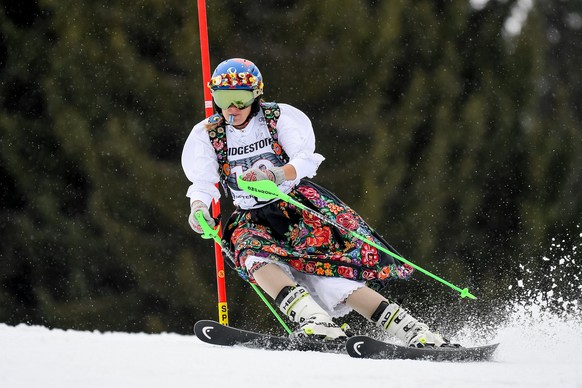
(366, 347)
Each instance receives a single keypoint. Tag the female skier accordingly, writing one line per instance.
(313, 270)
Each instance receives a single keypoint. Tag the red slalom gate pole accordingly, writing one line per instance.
(205, 55)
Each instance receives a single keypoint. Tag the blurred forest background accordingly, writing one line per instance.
(454, 127)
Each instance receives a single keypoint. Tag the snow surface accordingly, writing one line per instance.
(539, 333)
(538, 349)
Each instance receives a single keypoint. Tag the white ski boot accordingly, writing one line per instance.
(314, 321)
(397, 322)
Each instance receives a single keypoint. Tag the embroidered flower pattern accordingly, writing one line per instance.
(369, 255)
(319, 237)
(347, 220)
(335, 209)
(308, 192)
(312, 246)
(232, 80)
(217, 143)
(297, 264)
(311, 220)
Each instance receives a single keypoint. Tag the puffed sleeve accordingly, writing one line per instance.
(200, 166)
(296, 136)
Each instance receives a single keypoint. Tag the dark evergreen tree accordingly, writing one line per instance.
(458, 141)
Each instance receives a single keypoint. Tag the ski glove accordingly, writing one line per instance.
(194, 224)
(273, 174)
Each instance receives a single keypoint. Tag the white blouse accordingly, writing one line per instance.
(247, 148)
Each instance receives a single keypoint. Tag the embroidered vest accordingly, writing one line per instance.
(217, 135)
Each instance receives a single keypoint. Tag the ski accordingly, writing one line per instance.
(367, 347)
(359, 346)
(214, 333)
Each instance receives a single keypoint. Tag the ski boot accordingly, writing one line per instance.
(314, 321)
(399, 323)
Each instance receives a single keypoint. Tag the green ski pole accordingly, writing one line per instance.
(208, 233)
(266, 189)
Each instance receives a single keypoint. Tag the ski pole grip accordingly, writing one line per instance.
(207, 231)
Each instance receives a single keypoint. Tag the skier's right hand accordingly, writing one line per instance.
(196, 206)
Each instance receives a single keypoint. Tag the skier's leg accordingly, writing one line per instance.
(272, 279)
(296, 302)
(392, 318)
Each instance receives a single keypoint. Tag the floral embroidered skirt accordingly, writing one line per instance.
(282, 232)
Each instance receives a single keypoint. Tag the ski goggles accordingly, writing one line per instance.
(241, 99)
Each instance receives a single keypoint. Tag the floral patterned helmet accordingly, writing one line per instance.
(237, 74)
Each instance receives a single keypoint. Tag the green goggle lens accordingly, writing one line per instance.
(239, 98)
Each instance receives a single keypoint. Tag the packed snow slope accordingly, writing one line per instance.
(540, 336)
(537, 349)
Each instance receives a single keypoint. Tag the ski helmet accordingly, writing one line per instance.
(236, 74)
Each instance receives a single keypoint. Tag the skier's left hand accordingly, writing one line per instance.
(273, 174)
(194, 224)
